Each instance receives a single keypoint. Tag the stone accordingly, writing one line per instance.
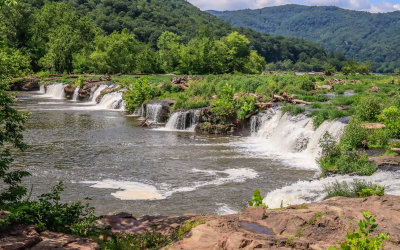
(51, 240)
(25, 84)
(69, 90)
(19, 237)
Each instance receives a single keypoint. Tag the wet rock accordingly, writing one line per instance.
(69, 90)
(25, 84)
(105, 92)
(215, 129)
(85, 91)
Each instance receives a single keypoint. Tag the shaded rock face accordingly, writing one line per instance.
(69, 91)
(312, 226)
(85, 91)
(26, 237)
(25, 84)
(215, 129)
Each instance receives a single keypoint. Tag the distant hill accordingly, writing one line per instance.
(360, 35)
(147, 19)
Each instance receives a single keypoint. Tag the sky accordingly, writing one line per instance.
(363, 5)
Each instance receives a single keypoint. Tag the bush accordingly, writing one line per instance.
(223, 106)
(352, 162)
(49, 213)
(391, 118)
(368, 108)
(139, 92)
(327, 113)
(245, 105)
(353, 136)
(363, 239)
(358, 188)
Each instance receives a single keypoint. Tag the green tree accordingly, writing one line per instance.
(168, 45)
(237, 54)
(256, 63)
(146, 61)
(115, 53)
(137, 93)
(223, 106)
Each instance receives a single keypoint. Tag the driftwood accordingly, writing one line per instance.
(284, 97)
(182, 86)
(264, 105)
(328, 87)
(396, 150)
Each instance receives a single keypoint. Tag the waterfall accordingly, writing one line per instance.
(55, 91)
(184, 120)
(42, 89)
(76, 93)
(153, 112)
(112, 100)
(290, 138)
(95, 92)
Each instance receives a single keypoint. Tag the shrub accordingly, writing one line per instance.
(343, 100)
(368, 108)
(352, 162)
(257, 200)
(353, 136)
(148, 240)
(139, 92)
(245, 105)
(49, 213)
(223, 106)
(391, 118)
(363, 239)
(358, 188)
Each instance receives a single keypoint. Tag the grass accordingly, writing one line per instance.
(356, 189)
(293, 109)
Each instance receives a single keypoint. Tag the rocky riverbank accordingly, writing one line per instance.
(309, 226)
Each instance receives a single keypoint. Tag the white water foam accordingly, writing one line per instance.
(183, 121)
(76, 94)
(224, 209)
(139, 191)
(153, 112)
(313, 191)
(112, 100)
(291, 139)
(128, 190)
(55, 91)
(95, 93)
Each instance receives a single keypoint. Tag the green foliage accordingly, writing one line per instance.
(223, 106)
(391, 118)
(353, 136)
(48, 213)
(79, 82)
(358, 188)
(330, 26)
(185, 228)
(352, 162)
(368, 108)
(137, 93)
(293, 109)
(115, 53)
(13, 62)
(363, 238)
(11, 128)
(326, 113)
(245, 105)
(148, 240)
(257, 200)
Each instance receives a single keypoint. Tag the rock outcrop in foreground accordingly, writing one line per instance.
(309, 226)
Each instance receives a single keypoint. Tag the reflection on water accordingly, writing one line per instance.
(104, 155)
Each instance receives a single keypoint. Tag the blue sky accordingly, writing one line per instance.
(364, 5)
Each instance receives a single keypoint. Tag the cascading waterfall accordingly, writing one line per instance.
(96, 91)
(76, 94)
(112, 100)
(55, 91)
(153, 112)
(290, 138)
(184, 120)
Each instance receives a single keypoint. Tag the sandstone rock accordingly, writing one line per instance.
(85, 91)
(51, 240)
(25, 84)
(19, 237)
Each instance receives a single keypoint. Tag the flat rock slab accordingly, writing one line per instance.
(386, 160)
(26, 237)
(123, 223)
(312, 226)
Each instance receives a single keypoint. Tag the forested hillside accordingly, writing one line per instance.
(359, 35)
(122, 36)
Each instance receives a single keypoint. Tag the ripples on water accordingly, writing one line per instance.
(106, 156)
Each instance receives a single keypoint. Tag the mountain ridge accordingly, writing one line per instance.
(360, 35)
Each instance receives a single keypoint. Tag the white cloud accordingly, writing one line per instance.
(384, 7)
(347, 4)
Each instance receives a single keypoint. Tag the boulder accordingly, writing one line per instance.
(51, 240)
(85, 91)
(19, 237)
(69, 90)
(25, 84)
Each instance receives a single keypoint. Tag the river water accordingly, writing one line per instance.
(106, 156)
(102, 153)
